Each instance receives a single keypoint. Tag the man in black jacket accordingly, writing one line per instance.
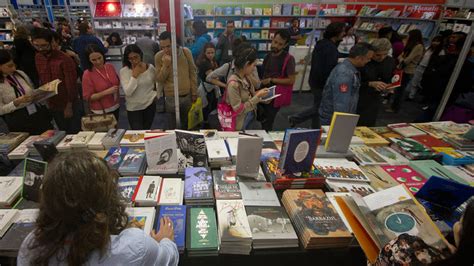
(323, 60)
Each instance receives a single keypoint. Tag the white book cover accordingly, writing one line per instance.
(171, 191)
(332, 198)
(357, 187)
(113, 137)
(161, 154)
(277, 135)
(227, 134)
(65, 144)
(258, 194)
(27, 216)
(217, 150)
(22, 151)
(7, 218)
(261, 133)
(271, 224)
(406, 130)
(233, 144)
(96, 141)
(143, 218)
(233, 221)
(81, 139)
(148, 191)
(341, 170)
(10, 188)
(390, 155)
(133, 138)
(248, 159)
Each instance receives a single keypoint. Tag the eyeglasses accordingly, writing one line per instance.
(42, 47)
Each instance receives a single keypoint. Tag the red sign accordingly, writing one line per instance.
(433, 2)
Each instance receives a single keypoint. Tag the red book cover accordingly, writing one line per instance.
(396, 79)
(430, 141)
(404, 174)
(137, 188)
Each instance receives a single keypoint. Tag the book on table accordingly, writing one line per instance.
(10, 190)
(226, 184)
(171, 191)
(379, 179)
(248, 156)
(430, 168)
(258, 194)
(340, 170)
(298, 150)
(198, 186)
(340, 132)
(177, 214)
(81, 139)
(369, 137)
(193, 146)
(133, 138)
(12, 139)
(141, 217)
(404, 174)
(7, 218)
(201, 236)
(161, 154)
(33, 179)
(147, 191)
(115, 156)
(126, 187)
(406, 130)
(96, 141)
(133, 162)
(361, 188)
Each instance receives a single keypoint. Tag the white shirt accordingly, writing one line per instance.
(139, 92)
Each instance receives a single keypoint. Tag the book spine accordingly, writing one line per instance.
(161, 189)
(137, 188)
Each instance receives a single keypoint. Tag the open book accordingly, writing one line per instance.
(380, 217)
(46, 91)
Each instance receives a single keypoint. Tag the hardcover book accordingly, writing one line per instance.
(406, 175)
(202, 231)
(10, 190)
(147, 191)
(33, 179)
(226, 185)
(133, 162)
(142, 218)
(193, 146)
(406, 130)
(133, 138)
(171, 191)
(161, 154)
(115, 157)
(258, 194)
(337, 169)
(198, 184)
(298, 150)
(126, 187)
(248, 157)
(369, 137)
(430, 168)
(340, 132)
(379, 179)
(177, 214)
(234, 230)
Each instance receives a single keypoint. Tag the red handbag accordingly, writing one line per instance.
(286, 91)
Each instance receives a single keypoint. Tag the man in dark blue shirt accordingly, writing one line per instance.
(323, 60)
(85, 38)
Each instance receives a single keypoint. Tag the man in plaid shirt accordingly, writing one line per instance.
(53, 64)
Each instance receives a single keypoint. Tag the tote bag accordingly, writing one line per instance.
(286, 91)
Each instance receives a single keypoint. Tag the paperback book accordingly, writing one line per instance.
(82, 139)
(115, 156)
(406, 175)
(193, 146)
(406, 130)
(171, 191)
(133, 138)
(430, 168)
(362, 189)
(7, 218)
(177, 214)
(198, 186)
(298, 150)
(339, 169)
(235, 234)
(340, 132)
(126, 188)
(258, 194)
(33, 179)
(226, 184)
(369, 137)
(147, 191)
(161, 154)
(379, 179)
(201, 236)
(412, 149)
(142, 218)
(10, 190)
(112, 138)
(248, 157)
(133, 162)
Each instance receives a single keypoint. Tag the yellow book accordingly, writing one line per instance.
(369, 137)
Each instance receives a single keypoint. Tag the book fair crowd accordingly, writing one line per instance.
(82, 219)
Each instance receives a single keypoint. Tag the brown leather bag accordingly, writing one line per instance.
(98, 122)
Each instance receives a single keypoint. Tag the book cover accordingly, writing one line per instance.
(115, 156)
(81, 139)
(270, 223)
(10, 189)
(298, 150)
(406, 175)
(171, 192)
(340, 132)
(202, 229)
(430, 128)
(412, 148)
(332, 198)
(465, 172)
(65, 144)
(142, 218)
(226, 185)
(198, 183)
(390, 155)
(7, 218)
(396, 79)
(367, 156)
(147, 191)
(430, 168)
(362, 189)
(258, 194)
(430, 141)
(133, 161)
(161, 154)
(248, 156)
(193, 146)
(113, 137)
(406, 130)
(133, 138)
(445, 193)
(217, 151)
(96, 141)
(33, 179)
(177, 214)
(379, 179)
(453, 128)
(337, 169)
(126, 187)
(233, 222)
(369, 137)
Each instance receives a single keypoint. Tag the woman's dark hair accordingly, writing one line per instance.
(440, 47)
(384, 32)
(202, 57)
(463, 254)
(199, 27)
(92, 48)
(5, 57)
(239, 43)
(80, 204)
(83, 28)
(117, 36)
(414, 38)
(132, 48)
(334, 29)
(245, 56)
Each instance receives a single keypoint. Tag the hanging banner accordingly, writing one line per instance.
(428, 2)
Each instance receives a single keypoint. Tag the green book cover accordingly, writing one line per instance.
(430, 168)
(203, 229)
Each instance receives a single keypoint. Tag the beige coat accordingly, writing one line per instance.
(412, 59)
(240, 95)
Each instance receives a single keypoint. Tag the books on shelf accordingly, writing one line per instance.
(141, 217)
(226, 184)
(10, 190)
(271, 227)
(7, 218)
(177, 214)
(161, 154)
(404, 174)
(133, 162)
(258, 194)
(201, 236)
(277, 9)
(126, 187)
(171, 191)
(235, 235)
(198, 186)
(317, 222)
(147, 191)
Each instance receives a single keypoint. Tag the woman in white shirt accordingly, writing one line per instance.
(347, 42)
(17, 105)
(82, 220)
(138, 81)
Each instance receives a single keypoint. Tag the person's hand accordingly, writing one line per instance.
(138, 69)
(68, 113)
(25, 99)
(378, 85)
(111, 90)
(166, 230)
(194, 98)
(266, 81)
(262, 93)
(166, 60)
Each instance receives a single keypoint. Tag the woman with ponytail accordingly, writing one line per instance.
(82, 220)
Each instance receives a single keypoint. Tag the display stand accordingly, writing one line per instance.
(31, 9)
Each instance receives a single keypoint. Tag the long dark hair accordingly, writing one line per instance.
(132, 48)
(414, 38)
(5, 57)
(202, 57)
(92, 48)
(117, 36)
(80, 207)
(245, 56)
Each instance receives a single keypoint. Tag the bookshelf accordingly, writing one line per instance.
(457, 18)
(6, 25)
(79, 10)
(31, 9)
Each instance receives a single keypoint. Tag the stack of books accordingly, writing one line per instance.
(126, 186)
(171, 191)
(11, 140)
(192, 146)
(198, 186)
(218, 153)
(49, 136)
(161, 154)
(7, 218)
(377, 155)
(115, 157)
(235, 235)
(201, 236)
(10, 190)
(96, 142)
(271, 227)
(317, 222)
(112, 138)
(412, 149)
(81, 140)
(22, 151)
(406, 130)
(258, 194)
(65, 144)
(133, 162)
(133, 138)
(147, 191)
(177, 214)
(459, 142)
(226, 184)
(369, 137)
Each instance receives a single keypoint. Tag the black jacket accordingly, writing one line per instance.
(323, 60)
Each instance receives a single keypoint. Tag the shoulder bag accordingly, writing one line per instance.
(286, 91)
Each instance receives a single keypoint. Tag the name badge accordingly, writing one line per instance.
(31, 109)
(229, 52)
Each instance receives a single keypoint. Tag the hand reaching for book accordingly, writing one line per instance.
(166, 230)
(25, 99)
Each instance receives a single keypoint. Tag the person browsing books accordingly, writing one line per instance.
(82, 220)
(240, 92)
(100, 83)
(138, 81)
(17, 105)
(341, 92)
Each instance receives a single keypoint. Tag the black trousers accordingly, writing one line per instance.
(268, 114)
(312, 112)
(35, 124)
(71, 125)
(142, 119)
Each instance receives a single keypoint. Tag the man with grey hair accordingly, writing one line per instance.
(375, 79)
(341, 92)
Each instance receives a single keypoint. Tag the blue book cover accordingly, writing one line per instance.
(115, 156)
(177, 214)
(444, 192)
(300, 150)
(198, 183)
(256, 23)
(126, 187)
(133, 161)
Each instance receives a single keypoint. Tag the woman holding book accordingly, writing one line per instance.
(138, 81)
(100, 83)
(82, 220)
(17, 106)
(240, 92)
